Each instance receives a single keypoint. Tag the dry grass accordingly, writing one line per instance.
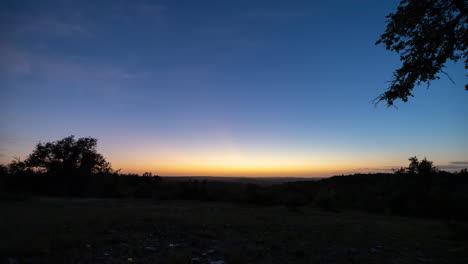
(45, 230)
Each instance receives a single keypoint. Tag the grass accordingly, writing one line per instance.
(49, 230)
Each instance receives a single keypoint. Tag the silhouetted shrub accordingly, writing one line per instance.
(326, 199)
(418, 190)
(295, 199)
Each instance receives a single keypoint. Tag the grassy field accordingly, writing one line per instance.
(46, 230)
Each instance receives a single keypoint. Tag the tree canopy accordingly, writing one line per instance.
(68, 155)
(424, 167)
(426, 33)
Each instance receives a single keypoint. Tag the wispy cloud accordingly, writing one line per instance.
(459, 162)
(384, 169)
(61, 28)
(454, 166)
(14, 60)
(27, 24)
(226, 34)
(151, 9)
(451, 167)
(17, 60)
(64, 70)
(131, 11)
(275, 15)
(13, 146)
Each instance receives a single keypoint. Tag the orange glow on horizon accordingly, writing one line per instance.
(240, 166)
(226, 156)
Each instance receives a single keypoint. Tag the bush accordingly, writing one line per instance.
(326, 199)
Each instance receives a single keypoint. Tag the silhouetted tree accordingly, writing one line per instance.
(426, 33)
(17, 166)
(413, 166)
(416, 167)
(423, 167)
(3, 175)
(68, 156)
(426, 167)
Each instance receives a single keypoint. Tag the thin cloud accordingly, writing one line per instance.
(13, 146)
(152, 10)
(61, 28)
(22, 24)
(14, 60)
(154, 13)
(128, 12)
(273, 15)
(452, 167)
(372, 170)
(459, 162)
(226, 34)
(70, 72)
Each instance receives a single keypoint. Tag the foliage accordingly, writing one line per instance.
(416, 167)
(68, 156)
(417, 190)
(426, 33)
(326, 199)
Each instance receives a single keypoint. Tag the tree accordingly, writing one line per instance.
(68, 157)
(17, 166)
(423, 167)
(426, 33)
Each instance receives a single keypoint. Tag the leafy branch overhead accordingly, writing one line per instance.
(426, 33)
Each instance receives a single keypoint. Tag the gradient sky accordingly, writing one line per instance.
(226, 88)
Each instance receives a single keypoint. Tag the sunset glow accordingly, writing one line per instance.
(235, 89)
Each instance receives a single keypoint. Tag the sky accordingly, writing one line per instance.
(221, 88)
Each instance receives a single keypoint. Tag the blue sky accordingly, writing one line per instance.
(245, 88)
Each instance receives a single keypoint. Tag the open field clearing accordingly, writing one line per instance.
(49, 230)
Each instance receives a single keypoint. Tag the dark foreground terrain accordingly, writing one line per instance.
(60, 230)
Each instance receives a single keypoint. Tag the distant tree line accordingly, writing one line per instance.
(71, 167)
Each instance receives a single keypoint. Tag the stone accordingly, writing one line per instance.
(150, 248)
(375, 250)
(12, 261)
(196, 260)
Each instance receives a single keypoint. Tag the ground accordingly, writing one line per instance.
(52, 230)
